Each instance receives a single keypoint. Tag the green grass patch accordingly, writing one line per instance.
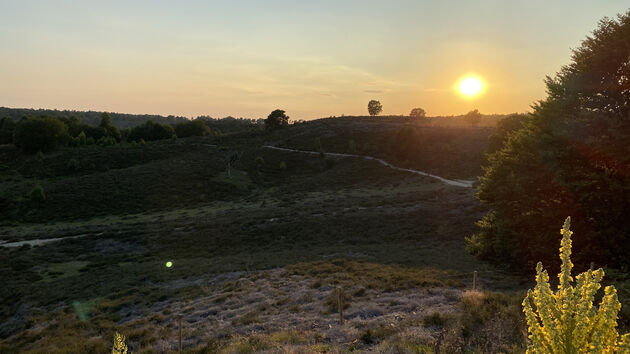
(58, 271)
(237, 178)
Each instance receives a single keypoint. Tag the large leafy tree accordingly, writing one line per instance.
(192, 128)
(109, 128)
(572, 157)
(151, 131)
(276, 119)
(40, 134)
(374, 107)
(417, 113)
(473, 118)
(505, 128)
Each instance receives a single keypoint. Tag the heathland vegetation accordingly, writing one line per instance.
(139, 232)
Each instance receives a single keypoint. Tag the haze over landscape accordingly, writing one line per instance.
(289, 177)
(315, 59)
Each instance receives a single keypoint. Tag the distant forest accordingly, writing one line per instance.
(125, 120)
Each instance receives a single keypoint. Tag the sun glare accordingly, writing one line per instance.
(470, 86)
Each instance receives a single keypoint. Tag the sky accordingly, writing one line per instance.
(315, 58)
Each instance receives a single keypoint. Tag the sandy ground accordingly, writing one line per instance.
(268, 302)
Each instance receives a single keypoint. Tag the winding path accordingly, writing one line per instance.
(450, 182)
(37, 242)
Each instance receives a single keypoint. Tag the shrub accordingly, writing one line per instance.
(82, 138)
(37, 194)
(106, 141)
(72, 165)
(566, 321)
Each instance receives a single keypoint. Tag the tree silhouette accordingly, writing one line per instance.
(374, 107)
(276, 119)
(108, 127)
(417, 113)
(473, 118)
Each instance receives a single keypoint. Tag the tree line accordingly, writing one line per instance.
(120, 120)
(46, 133)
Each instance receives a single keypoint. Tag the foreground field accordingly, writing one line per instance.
(257, 256)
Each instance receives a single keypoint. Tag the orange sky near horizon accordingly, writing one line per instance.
(318, 59)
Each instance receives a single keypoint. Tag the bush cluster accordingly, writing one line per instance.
(46, 133)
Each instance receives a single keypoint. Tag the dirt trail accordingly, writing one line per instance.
(450, 182)
(37, 242)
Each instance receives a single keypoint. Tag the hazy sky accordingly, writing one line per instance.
(312, 58)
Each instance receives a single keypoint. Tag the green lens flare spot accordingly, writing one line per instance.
(169, 264)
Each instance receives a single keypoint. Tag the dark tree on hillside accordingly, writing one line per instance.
(417, 113)
(374, 107)
(151, 131)
(192, 128)
(276, 119)
(40, 134)
(109, 129)
(570, 159)
(505, 128)
(473, 118)
(7, 126)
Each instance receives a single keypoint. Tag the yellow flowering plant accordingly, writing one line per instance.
(566, 321)
(119, 347)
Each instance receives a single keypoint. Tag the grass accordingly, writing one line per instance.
(237, 178)
(63, 270)
(348, 223)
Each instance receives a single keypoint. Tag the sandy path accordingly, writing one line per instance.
(450, 182)
(37, 242)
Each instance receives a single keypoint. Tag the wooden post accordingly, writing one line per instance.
(180, 334)
(340, 303)
(438, 342)
(475, 280)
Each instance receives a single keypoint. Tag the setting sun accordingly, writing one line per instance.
(470, 86)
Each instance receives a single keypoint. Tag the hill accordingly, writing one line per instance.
(259, 250)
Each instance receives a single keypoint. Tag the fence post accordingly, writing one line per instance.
(475, 280)
(180, 334)
(438, 342)
(340, 303)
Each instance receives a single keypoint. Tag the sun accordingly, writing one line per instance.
(470, 86)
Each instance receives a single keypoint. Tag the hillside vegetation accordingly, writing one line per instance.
(259, 249)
